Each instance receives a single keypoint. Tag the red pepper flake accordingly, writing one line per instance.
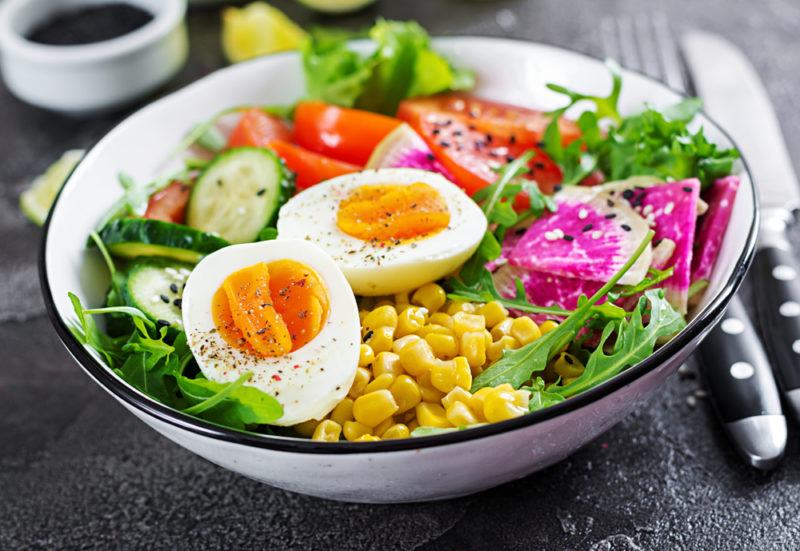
(276, 377)
(296, 366)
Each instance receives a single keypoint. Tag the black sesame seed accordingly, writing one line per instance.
(609, 202)
(610, 216)
(568, 238)
(430, 157)
(627, 194)
(261, 192)
(509, 159)
(173, 287)
(558, 187)
(587, 227)
(164, 299)
(687, 189)
(539, 165)
(512, 140)
(435, 131)
(456, 132)
(625, 227)
(177, 302)
(163, 323)
(444, 144)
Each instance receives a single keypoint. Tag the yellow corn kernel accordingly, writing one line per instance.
(459, 415)
(525, 330)
(406, 393)
(327, 431)
(434, 328)
(382, 316)
(380, 339)
(431, 296)
(566, 366)
(381, 382)
(306, 428)
(441, 318)
(427, 390)
(401, 299)
(343, 411)
(387, 362)
(443, 376)
(459, 306)
(368, 438)
(396, 432)
(410, 320)
(473, 348)
(493, 312)
(495, 350)
(478, 398)
(380, 429)
(417, 357)
(500, 405)
(365, 355)
(463, 372)
(458, 394)
(432, 415)
(359, 382)
(444, 347)
(398, 344)
(373, 408)
(487, 338)
(413, 424)
(547, 326)
(502, 328)
(522, 398)
(464, 322)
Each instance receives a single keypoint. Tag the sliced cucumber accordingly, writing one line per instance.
(238, 194)
(135, 237)
(155, 286)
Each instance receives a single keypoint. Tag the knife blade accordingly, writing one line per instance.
(733, 93)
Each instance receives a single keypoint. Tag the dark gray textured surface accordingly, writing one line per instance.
(77, 471)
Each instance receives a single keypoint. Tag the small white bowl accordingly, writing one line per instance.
(90, 78)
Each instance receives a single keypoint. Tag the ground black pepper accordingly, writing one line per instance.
(89, 24)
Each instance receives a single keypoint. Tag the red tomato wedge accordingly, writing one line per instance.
(472, 154)
(311, 168)
(516, 124)
(348, 135)
(257, 129)
(169, 204)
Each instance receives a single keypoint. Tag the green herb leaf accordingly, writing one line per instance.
(540, 397)
(237, 404)
(634, 342)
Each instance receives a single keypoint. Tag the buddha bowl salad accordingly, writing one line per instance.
(393, 256)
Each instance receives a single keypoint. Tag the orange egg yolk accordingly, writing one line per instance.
(393, 212)
(270, 309)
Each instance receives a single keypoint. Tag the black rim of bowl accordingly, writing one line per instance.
(119, 389)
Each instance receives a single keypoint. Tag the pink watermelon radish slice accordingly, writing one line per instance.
(671, 209)
(404, 148)
(589, 237)
(544, 289)
(720, 196)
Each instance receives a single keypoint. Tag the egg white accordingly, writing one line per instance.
(308, 382)
(372, 270)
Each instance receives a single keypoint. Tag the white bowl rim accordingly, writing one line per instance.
(695, 328)
(169, 14)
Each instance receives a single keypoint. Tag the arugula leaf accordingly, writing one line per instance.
(634, 342)
(87, 333)
(517, 366)
(540, 397)
(233, 403)
(606, 106)
(654, 277)
(403, 65)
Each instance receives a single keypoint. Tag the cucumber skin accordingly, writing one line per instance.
(141, 263)
(159, 235)
(286, 185)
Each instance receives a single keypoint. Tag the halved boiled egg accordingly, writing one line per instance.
(389, 230)
(282, 311)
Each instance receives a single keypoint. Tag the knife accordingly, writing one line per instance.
(736, 367)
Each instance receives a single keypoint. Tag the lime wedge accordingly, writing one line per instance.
(335, 6)
(35, 202)
(258, 29)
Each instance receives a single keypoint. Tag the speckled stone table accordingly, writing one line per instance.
(77, 471)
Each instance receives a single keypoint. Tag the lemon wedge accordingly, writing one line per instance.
(258, 29)
(35, 202)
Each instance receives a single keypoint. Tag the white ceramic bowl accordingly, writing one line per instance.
(435, 467)
(90, 78)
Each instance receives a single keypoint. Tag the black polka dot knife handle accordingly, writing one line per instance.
(777, 288)
(742, 388)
